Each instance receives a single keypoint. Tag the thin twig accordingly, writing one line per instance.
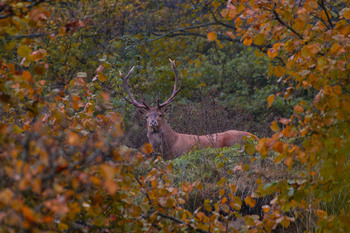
(181, 29)
(277, 17)
(30, 36)
(323, 6)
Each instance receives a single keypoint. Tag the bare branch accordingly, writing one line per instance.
(182, 29)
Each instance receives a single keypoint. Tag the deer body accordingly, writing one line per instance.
(173, 144)
(170, 143)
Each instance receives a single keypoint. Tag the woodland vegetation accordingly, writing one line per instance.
(74, 155)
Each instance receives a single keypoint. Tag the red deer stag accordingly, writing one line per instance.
(170, 143)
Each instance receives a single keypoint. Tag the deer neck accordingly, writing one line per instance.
(164, 136)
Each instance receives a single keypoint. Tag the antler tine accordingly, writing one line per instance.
(175, 90)
(127, 89)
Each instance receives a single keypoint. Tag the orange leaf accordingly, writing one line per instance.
(346, 13)
(224, 200)
(107, 172)
(147, 148)
(250, 201)
(298, 109)
(212, 36)
(233, 188)
(247, 41)
(270, 100)
(27, 76)
(280, 71)
(266, 208)
(288, 162)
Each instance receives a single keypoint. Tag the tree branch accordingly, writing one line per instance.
(181, 29)
(219, 22)
(277, 17)
(323, 6)
(30, 36)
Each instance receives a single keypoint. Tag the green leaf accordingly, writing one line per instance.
(24, 51)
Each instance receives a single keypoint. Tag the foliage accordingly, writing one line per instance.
(63, 167)
(308, 42)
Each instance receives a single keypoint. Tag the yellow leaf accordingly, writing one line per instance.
(208, 207)
(280, 71)
(233, 188)
(270, 100)
(274, 126)
(62, 226)
(249, 148)
(222, 192)
(259, 39)
(299, 24)
(102, 77)
(212, 36)
(285, 222)
(250, 201)
(24, 51)
(147, 148)
(346, 13)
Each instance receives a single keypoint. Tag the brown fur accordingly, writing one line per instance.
(172, 144)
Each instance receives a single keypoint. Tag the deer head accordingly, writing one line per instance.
(154, 115)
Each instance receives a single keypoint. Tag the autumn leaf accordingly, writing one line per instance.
(346, 13)
(247, 41)
(212, 36)
(24, 51)
(270, 100)
(250, 201)
(259, 39)
(298, 109)
(147, 148)
(274, 126)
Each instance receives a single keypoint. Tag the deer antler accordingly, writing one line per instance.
(175, 91)
(126, 87)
